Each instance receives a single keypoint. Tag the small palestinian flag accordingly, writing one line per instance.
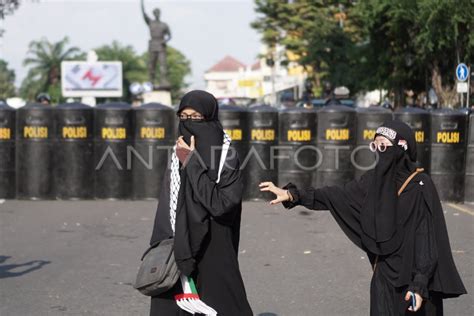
(190, 301)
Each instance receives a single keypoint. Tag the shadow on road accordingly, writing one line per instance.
(267, 314)
(15, 270)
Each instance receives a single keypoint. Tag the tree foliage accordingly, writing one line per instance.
(317, 31)
(133, 67)
(44, 59)
(7, 81)
(7, 7)
(394, 45)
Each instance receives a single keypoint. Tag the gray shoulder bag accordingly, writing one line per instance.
(158, 272)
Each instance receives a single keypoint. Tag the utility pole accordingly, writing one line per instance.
(270, 61)
(468, 86)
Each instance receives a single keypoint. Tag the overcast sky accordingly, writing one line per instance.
(205, 31)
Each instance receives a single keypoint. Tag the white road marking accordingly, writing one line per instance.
(460, 208)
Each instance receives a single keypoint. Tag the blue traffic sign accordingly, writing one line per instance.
(462, 72)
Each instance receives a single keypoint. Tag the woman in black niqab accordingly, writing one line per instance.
(393, 213)
(207, 133)
(208, 204)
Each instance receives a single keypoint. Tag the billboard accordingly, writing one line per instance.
(91, 79)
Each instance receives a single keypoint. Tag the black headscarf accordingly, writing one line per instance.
(381, 224)
(208, 134)
(192, 218)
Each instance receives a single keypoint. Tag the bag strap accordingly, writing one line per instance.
(156, 243)
(417, 171)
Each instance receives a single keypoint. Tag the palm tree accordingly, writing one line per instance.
(45, 59)
(7, 81)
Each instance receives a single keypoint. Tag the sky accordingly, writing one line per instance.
(205, 31)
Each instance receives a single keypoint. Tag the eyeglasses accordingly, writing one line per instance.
(195, 117)
(380, 146)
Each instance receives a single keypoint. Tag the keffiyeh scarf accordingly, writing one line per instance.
(189, 300)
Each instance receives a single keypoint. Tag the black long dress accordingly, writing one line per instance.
(423, 263)
(218, 279)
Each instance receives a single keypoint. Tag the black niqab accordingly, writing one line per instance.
(208, 134)
(381, 223)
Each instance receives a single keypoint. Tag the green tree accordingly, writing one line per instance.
(319, 32)
(7, 81)
(390, 60)
(417, 44)
(444, 37)
(395, 45)
(133, 67)
(179, 67)
(45, 59)
(7, 7)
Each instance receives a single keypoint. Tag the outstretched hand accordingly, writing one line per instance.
(281, 195)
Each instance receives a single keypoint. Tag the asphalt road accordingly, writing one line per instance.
(80, 258)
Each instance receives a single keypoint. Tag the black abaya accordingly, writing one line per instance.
(218, 279)
(423, 262)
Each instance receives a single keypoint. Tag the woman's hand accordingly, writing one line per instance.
(182, 144)
(419, 300)
(281, 195)
(183, 149)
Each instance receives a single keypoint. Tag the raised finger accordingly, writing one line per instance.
(182, 143)
(407, 296)
(275, 201)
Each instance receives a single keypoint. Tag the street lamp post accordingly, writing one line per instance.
(270, 61)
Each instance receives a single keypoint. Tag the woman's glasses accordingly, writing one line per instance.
(195, 117)
(381, 147)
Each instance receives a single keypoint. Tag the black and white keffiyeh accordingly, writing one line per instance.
(189, 300)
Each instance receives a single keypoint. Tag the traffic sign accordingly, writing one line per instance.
(462, 72)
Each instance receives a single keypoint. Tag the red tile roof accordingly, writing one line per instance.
(256, 65)
(229, 63)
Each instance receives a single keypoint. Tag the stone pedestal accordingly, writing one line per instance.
(158, 96)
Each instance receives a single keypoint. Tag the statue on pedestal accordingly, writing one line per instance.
(160, 35)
